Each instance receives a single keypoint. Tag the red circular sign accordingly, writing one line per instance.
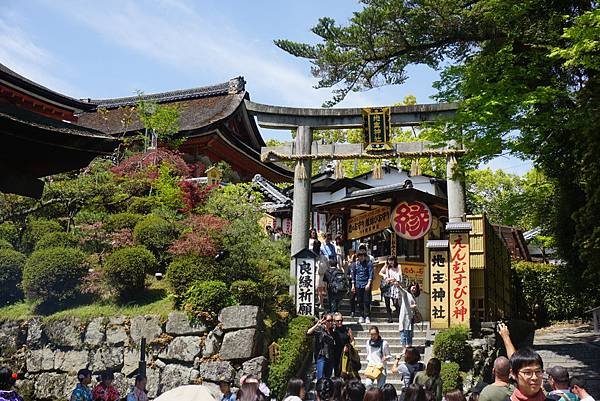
(411, 220)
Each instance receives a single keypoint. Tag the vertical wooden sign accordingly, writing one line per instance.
(439, 283)
(460, 296)
(305, 287)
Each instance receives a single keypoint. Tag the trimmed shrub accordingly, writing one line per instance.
(294, 347)
(450, 376)
(548, 287)
(11, 274)
(35, 230)
(451, 345)
(52, 276)
(204, 299)
(119, 221)
(246, 292)
(5, 244)
(141, 205)
(9, 233)
(183, 271)
(155, 233)
(57, 239)
(125, 271)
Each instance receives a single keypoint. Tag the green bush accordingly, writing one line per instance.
(451, 345)
(246, 292)
(119, 221)
(11, 274)
(52, 276)
(294, 347)
(183, 271)
(56, 239)
(548, 287)
(9, 232)
(5, 244)
(35, 230)
(125, 271)
(204, 299)
(450, 376)
(140, 205)
(155, 233)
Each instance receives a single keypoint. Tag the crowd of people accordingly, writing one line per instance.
(339, 274)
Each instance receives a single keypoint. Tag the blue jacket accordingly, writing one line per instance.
(362, 273)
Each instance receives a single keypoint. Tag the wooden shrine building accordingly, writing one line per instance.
(40, 135)
(213, 119)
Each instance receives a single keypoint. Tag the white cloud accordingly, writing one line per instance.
(19, 52)
(198, 43)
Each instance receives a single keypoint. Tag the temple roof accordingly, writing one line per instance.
(199, 108)
(275, 199)
(17, 81)
(34, 146)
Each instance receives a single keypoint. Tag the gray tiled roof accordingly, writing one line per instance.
(274, 198)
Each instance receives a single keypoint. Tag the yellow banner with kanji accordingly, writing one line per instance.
(460, 295)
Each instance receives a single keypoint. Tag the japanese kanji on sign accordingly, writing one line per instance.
(438, 261)
(305, 287)
(376, 128)
(460, 297)
(368, 223)
(411, 220)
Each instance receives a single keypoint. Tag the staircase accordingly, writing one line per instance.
(422, 339)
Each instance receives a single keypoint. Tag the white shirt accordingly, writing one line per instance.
(374, 354)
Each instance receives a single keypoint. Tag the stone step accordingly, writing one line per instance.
(392, 342)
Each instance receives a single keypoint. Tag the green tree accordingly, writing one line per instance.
(525, 73)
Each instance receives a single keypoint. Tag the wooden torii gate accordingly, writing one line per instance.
(304, 150)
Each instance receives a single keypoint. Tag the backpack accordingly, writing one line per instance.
(339, 283)
(413, 372)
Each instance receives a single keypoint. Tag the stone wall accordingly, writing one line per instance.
(177, 352)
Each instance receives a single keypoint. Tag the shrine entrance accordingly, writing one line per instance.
(303, 151)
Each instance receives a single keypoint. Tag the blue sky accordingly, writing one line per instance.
(113, 48)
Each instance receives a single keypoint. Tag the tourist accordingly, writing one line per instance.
(7, 381)
(322, 266)
(475, 392)
(407, 312)
(373, 394)
(354, 390)
(313, 242)
(294, 390)
(454, 395)
(104, 390)
(324, 389)
(82, 391)
(414, 392)
(409, 368)
(527, 368)
(325, 343)
(391, 277)
(501, 388)
(362, 277)
(337, 285)
(558, 379)
(378, 353)
(389, 392)
(225, 388)
(350, 274)
(430, 378)
(340, 251)
(138, 392)
(578, 386)
(338, 385)
(249, 391)
(343, 339)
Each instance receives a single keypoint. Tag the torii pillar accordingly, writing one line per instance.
(301, 212)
